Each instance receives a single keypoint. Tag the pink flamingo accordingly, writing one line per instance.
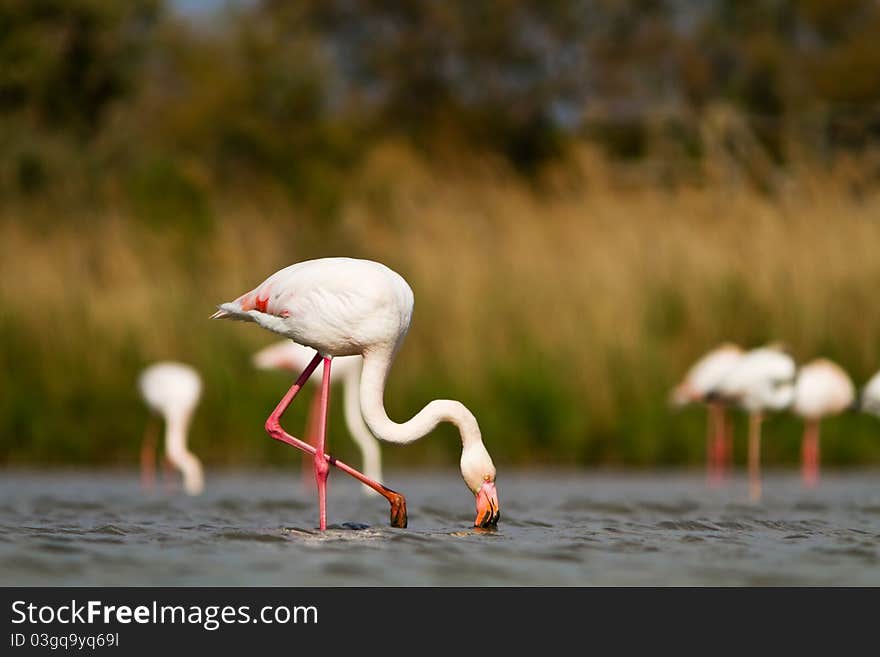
(288, 355)
(347, 307)
(822, 389)
(869, 400)
(762, 381)
(698, 385)
(172, 390)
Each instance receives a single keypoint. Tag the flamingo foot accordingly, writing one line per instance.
(398, 509)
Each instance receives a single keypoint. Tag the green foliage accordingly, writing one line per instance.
(161, 195)
(151, 167)
(63, 62)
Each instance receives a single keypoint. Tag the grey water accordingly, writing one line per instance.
(557, 528)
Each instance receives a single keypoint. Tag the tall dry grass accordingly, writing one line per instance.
(561, 316)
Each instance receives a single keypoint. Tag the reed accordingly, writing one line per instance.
(561, 313)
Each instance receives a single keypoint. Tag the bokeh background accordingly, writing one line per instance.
(585, 195)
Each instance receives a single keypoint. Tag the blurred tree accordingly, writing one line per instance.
(497, 75)
(293, 93)
(63, 62)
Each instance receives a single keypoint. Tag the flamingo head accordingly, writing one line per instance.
(479, 475)
(682, 395)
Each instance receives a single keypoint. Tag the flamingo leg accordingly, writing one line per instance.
(311, 438)
(710, 460)
(273, 428)
(715, 443)
(755, 457)
(810, 454)
(168, 474)
(148, 456)
(322, 469)
(728, 439)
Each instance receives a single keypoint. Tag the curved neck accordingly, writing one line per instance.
(176, 425)
(377, 363)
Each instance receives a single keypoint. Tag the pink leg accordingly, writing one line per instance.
(728, 440)
(322, 469)
(710, 463)
(755, 420)
(715, 444)
(273, 428)
(312, 439)
(168, 480)
(810, 454)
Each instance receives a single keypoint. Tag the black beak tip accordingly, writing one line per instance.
(490, 520)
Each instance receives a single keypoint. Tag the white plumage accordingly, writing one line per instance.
(870, 398)
(762, 380)
(707, 373)
(822, 388)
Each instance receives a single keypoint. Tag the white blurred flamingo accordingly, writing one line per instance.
(762, 381)
(172, 390)
(701, 380)
(346, 307)
(822, 389)
(293, 357)
(869, 400)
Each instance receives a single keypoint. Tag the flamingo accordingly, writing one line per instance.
(869, 400)
(288, 355)
(762, 381)
(822, 389)
(700, 381)
(347, 307)
(172, 391)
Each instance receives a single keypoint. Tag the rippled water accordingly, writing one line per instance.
(581, 528)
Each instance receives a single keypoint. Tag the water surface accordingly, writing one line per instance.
(571, 528)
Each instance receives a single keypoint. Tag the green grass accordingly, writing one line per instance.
(561, 317)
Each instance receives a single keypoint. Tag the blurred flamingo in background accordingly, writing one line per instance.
(822, 388)
(347, 307)
(293, 357)
(762, 381)
(869, 400)
(172, 390)
(701, 380)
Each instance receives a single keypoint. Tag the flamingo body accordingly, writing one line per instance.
(699, 383)
(704, 376)
(172, 390)
(870, 397)
(337, 306)
(762, 381)
(822, 388)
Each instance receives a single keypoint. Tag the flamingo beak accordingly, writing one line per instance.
(488, 509)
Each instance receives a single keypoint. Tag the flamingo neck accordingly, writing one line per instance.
(176, 426)
(377, 364)
(355, 422)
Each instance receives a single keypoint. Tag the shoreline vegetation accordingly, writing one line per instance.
(583, 202)
(561, 313)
